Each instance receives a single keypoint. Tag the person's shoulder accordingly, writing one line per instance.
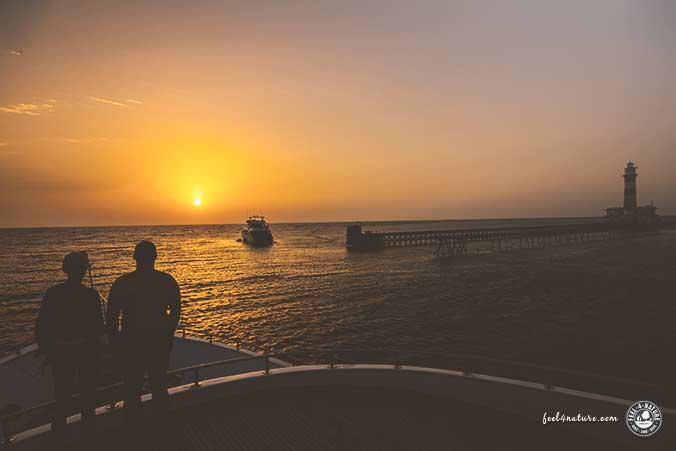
(55, 289)
(165, 277)
(126, 276)
(123, 279)
(167, 280)
(57, 286)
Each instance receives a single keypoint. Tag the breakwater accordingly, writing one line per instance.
(455, 241)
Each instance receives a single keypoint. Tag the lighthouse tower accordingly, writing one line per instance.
(630, 175)
(631, 214)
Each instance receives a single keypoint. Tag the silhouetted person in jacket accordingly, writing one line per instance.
(150, 304)
(68, 329)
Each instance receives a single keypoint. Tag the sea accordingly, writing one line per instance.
(305, 293)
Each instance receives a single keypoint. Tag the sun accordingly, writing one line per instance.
(197, 196)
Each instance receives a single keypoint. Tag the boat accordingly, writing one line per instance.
(257, 232)
(228, 397)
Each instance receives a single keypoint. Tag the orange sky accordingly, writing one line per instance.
(125, 112)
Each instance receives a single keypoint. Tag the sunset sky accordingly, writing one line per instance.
(133, 112)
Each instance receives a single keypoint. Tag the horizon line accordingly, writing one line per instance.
(362, 221)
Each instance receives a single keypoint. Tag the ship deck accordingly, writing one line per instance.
(362, 407)
(347, 418)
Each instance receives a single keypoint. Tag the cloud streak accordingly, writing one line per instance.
(82, 140)
(107, 101)
(28, 109)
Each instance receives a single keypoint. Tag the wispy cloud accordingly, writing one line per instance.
(6, 149)
(121, 103)
(16, 52)
(28, 109)
(107, 101)
(81, 140)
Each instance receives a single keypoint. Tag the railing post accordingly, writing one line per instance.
(237, 343)
(549, 385)
(7, 437)
(266, 357)
(196, 376)
(183, 330)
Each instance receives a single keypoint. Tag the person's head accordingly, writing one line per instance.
(75, 265)
(145, 254)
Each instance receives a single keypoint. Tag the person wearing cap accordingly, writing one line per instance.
(149, 302)
(68, 331)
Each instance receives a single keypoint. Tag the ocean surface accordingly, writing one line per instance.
(305, 293)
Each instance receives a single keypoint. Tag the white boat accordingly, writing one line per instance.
(257, 232)
(236, 399)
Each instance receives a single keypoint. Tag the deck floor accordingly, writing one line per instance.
(346, 419)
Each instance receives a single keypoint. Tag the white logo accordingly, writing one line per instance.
(644, 418)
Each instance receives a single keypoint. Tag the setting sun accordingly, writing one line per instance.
(197, 202)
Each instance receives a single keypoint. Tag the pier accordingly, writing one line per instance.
(455, 242)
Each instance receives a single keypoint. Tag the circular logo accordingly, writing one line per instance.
(644, 418)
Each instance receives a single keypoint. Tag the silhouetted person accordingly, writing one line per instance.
(69, 325)
(143, 298)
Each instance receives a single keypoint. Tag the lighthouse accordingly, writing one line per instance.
(630, 175)
(631, 214)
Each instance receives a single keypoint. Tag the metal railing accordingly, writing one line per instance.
(195, 369)
(186, 332)
(470, 364)
(182, 331)
(7, 420)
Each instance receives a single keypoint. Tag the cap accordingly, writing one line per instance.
(76, 259)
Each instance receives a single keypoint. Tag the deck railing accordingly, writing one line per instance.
(238, 343)
(9, 419)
